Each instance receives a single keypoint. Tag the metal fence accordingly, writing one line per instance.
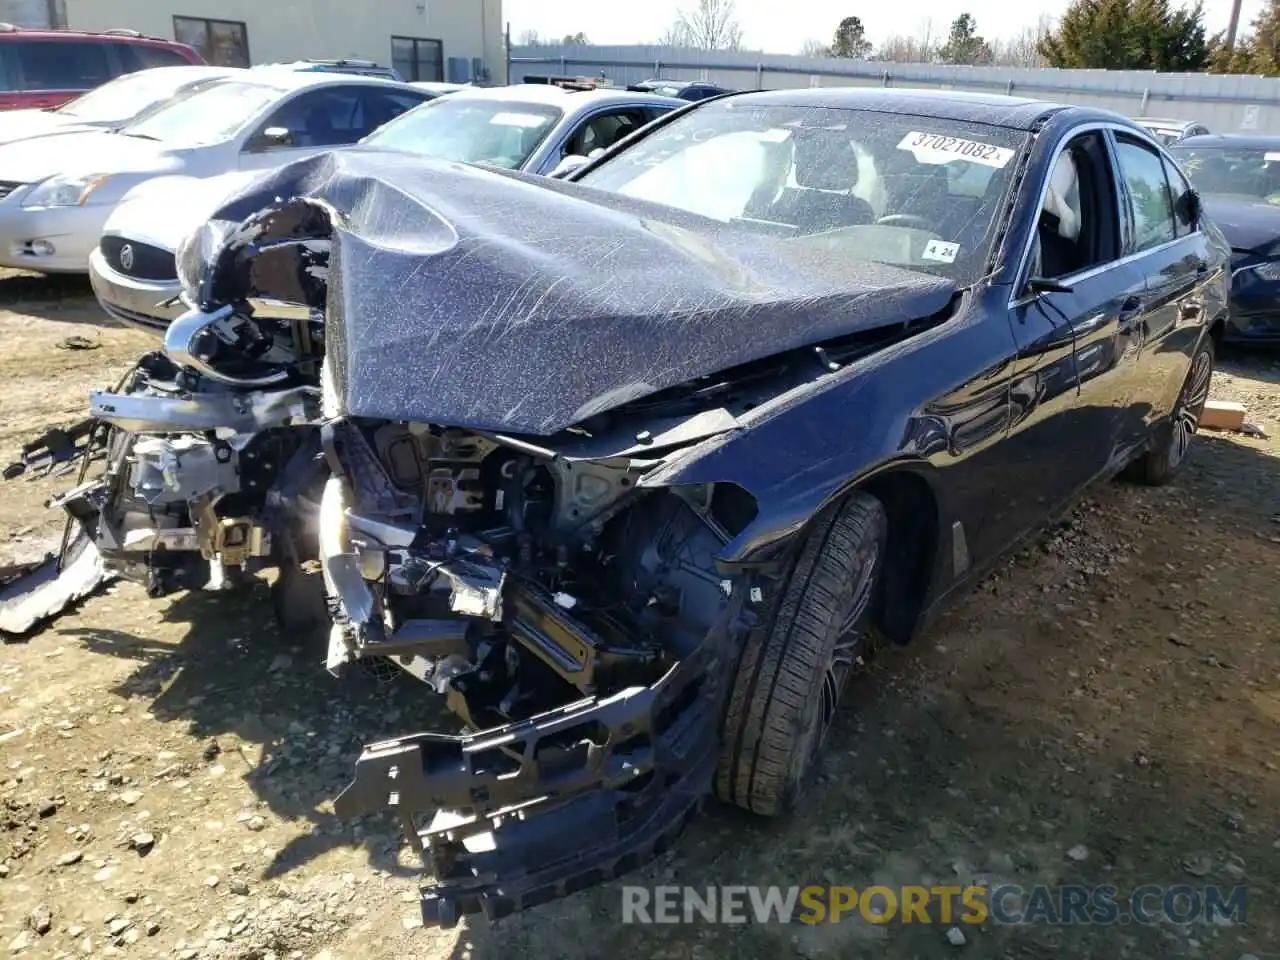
(1223, 103)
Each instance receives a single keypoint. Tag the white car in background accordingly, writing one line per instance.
(112, 105)
(529, 127)
(57, 192)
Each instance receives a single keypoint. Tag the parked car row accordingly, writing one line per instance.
(633, 464)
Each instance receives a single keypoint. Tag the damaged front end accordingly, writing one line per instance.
(212, 469)
(575, 622)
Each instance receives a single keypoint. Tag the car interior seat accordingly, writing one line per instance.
(319, 127)
(825, 172)
(1060, 219)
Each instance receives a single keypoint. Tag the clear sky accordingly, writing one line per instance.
(779, 26)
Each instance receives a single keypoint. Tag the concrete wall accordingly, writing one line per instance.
(298, 29)
(1226, 104)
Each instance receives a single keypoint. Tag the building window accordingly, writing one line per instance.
(418, 60)
(224, 43)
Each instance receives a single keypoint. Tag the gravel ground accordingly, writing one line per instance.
(1105, 708)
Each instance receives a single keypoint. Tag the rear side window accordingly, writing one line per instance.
(61, 64)
(1178, 189)
(141, 56)
(1150, 205)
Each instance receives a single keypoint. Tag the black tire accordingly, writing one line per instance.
(1161, 464)
(790, 675)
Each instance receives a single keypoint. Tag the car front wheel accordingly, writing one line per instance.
(791, 674)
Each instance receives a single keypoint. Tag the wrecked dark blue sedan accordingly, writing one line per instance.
(634, 467)
(1238, 178)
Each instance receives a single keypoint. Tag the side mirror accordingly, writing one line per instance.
(1039, 285)
(569, 164)
(271, 138)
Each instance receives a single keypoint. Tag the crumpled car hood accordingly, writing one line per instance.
(497, 301)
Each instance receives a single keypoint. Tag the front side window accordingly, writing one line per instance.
(859, 184)
(322, 118)
(1150, 206)
(471, 130)
(62, 64)
(603, 131)
(1242, 174)
(224, 43)
(418, 60)
(211, 115)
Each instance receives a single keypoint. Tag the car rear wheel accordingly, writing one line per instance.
(790, 676)
(1161, 464)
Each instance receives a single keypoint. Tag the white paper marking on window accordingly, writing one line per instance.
(938, 148)
(518, 120)
(941, 251)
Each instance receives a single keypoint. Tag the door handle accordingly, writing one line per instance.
(1202, 271)
(1130, 308)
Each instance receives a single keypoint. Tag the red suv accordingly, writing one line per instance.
(46, 68)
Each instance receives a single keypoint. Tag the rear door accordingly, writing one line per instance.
(1076, 352)
(1176, 261)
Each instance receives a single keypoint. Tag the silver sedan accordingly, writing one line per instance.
(528, 127)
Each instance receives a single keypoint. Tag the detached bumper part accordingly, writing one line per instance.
(539, 809)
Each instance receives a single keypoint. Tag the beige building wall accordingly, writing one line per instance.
(298, 29)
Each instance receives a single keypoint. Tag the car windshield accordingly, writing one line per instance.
(1251, 174)
(126, 97)
(210, 115)
(922, 192)
(473, 130)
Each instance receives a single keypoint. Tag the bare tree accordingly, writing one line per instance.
(814, 48)
(529, 38)
(708, 25)
(1024, 49)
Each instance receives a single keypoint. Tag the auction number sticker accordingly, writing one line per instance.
(939, 148)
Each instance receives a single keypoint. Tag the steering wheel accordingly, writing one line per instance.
(905, 220)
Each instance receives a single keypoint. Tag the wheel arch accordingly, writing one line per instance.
(914, 512)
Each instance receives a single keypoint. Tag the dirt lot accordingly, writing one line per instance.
(1114, 691)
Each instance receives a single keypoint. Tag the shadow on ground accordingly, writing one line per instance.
(66, 298)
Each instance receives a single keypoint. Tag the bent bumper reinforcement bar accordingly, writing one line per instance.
(536, 810)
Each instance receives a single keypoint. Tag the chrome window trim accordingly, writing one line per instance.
(1018, 299)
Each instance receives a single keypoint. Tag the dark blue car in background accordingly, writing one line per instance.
(1238, 178)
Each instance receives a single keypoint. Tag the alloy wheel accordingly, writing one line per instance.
(1186, 418)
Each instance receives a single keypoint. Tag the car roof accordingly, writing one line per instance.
(1015, 112)
(190, 71)
(1164, 123)
(285, 77)
(552, 95)
(1243, 140)
(9, 31)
